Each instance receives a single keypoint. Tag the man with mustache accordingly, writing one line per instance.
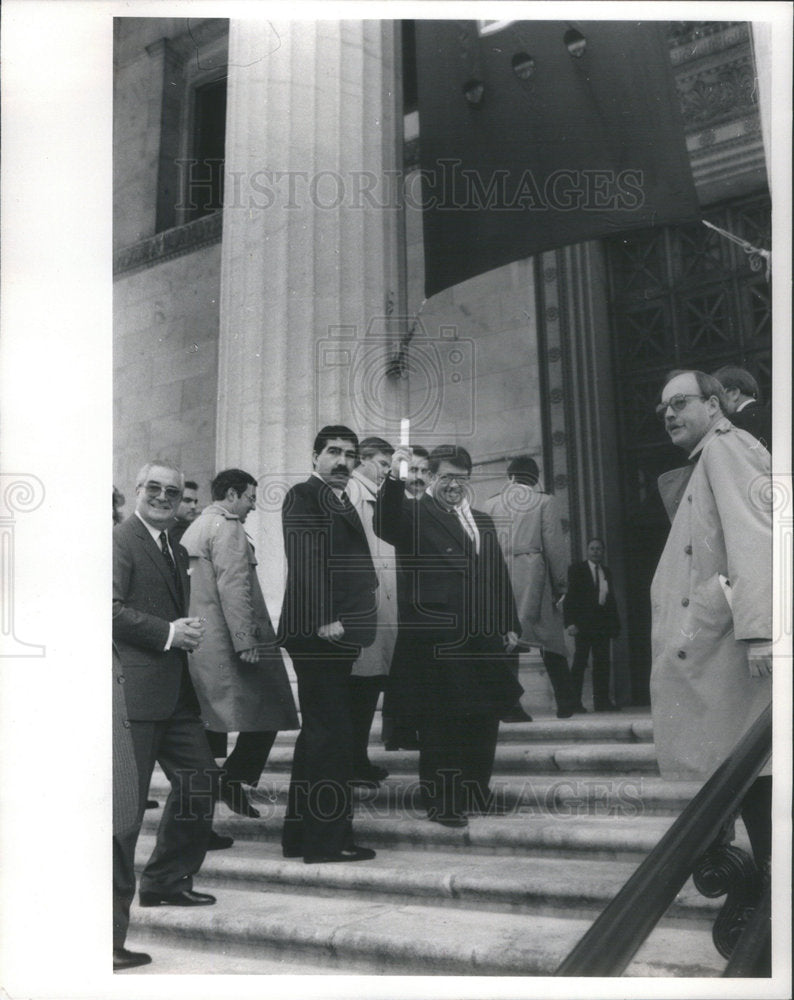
(329, 613)
(711, 596)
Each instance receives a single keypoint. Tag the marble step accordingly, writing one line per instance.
(560, 794)
(379, 936)
(572, 887)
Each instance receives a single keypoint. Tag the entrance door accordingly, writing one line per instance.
(681, 297)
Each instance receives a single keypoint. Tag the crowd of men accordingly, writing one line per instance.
(395, 581)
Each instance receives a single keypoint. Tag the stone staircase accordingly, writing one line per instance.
(510, 895)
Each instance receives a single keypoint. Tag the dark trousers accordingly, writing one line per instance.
(565, 692)
(364, 693)
(599, 644)
(456, 762)
(756, 811)
(247, 761)
(179, 746)
(319, 804)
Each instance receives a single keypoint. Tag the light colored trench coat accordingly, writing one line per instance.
(702, 695)
(234, 696)
(375, 660)
(530, 533)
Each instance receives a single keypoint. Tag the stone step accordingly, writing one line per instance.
(606, 837)
(560, 794)
(377, 936)
(620, 727)
(538, 885)
(522, 758)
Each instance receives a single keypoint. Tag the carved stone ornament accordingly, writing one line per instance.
(725, 869)
(170, 243)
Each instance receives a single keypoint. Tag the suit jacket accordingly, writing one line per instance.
(125, 770)
(581, 607)
(455, 608)
(756, 418)
(330, 575)
(145, 600)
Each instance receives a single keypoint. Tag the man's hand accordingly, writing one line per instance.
(250, 655)
(188, 633)
(401, 454)
(335, 630)
(572, 630)
(511, 641)
(759, 659)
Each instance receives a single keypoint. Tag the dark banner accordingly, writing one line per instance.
(542, 134)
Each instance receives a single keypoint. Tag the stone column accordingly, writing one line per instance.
(309, 254)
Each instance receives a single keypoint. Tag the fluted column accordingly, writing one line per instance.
(309, 255)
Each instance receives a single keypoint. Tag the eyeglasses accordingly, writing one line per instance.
(678, 402)
(154, 490)
(452, 478)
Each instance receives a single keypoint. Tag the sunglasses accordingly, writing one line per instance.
(154, 490)
(677, 402)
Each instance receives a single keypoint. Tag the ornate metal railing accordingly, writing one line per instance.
(696, 844)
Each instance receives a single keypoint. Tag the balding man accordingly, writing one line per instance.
(711, 596)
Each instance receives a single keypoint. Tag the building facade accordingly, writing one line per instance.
(268, 279)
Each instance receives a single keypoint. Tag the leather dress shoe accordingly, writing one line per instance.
(564, 713)
(183, 897)
(124, 959)
(236, 798)
(354, 853)
(516, 714)
(219, 841)
(455, 822)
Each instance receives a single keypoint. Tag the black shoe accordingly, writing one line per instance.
(353, 853)
(288, 853)
(183, 897)
(564, 713)
(580, 710)
(516, 714)
(455, 822)
(369, 774)
(151, 804)
(236, 798)
(219, 841)
(123, 959)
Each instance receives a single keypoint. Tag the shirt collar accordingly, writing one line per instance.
(337, 492)
(154, 532)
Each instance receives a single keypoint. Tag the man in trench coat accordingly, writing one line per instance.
(238, 672)
(711, 596)
(530, 533)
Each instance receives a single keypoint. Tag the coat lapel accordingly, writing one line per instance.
(152, 550)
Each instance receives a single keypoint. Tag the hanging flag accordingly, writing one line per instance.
(538, 134)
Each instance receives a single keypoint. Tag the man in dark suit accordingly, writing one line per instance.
(458, 629)
(328, 615)
(153, 636)
(591, 617)
(742, 405)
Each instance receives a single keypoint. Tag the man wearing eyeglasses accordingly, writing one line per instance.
(153, 636)
(458, 632)
(711, 596)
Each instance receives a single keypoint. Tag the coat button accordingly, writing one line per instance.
(126, 723)
(685, 602)
(688, 550)
(681, 654)
(121, 678)
(689, 498)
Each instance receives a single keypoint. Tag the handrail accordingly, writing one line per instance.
(618, 932)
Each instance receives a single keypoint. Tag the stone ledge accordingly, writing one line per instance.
(169, 244)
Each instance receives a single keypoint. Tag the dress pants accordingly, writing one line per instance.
(247, 761)
(565, 691)
(364, 693)
(599, 643)
(456, 762)
(180, 746)
(319, 806)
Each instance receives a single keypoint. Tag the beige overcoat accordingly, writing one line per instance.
(235, 696)
(702, 695)
(375, 660)
(530, 534)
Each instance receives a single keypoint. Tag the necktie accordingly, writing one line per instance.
(601, 586)
(167, 555)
